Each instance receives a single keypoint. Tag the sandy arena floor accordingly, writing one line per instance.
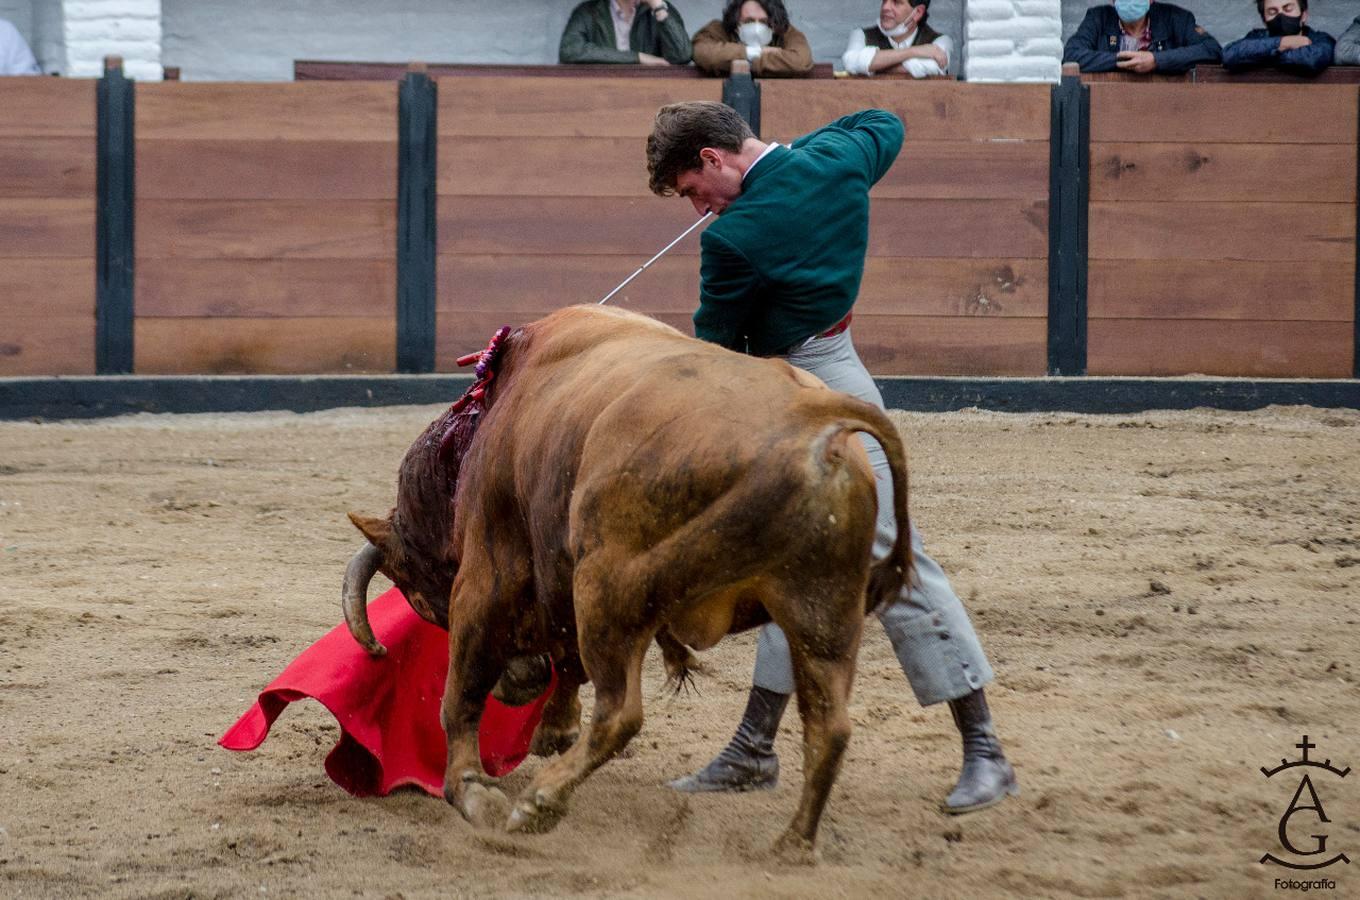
(1170, 600)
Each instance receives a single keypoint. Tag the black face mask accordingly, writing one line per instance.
(1284, 26)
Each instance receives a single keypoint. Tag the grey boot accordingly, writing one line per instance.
(748, 762)
(987, 778)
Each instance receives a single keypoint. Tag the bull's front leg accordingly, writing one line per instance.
(474, 666)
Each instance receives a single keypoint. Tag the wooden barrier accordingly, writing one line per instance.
(1222, 230)
(1222, 222)
(957, 277)
(47, 212)
(266, 227)
(543, 202)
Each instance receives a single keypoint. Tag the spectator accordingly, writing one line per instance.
(1348, 45)
(901, 41)
(15, 57)
(650, 32)
(1286, 43)
(1140, 36)
(754, 30)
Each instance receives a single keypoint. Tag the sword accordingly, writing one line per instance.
(641, 268)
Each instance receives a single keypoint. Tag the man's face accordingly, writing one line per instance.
(1272, 8)
(751, 11)
(712, 186)
(894, 12)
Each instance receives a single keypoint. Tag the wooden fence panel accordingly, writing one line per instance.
(1222, 230)
(47, 222)
(957, 276)
(266, 227)
(543, 202)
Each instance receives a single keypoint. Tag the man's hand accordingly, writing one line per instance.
(1294, 42)
(941, 58)
(659, 11)
(1140, 61)
(648, 59)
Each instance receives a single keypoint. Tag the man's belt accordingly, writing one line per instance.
(838, 327)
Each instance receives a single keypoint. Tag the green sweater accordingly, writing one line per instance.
(589, 36)
(785, 259)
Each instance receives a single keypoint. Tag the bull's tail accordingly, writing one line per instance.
(887, 576)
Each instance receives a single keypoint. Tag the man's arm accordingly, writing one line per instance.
(727, 284)
(580, 42)
(713, 52)
(876, 132)
(794, 58)
(924, 66)
(675, 46)
(1198, 47)
(1311, 58)
(1083, 47)
(858, 55)
(1250, 51)
(1348, 45)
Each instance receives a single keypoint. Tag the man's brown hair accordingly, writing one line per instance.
(681, 130)
(1261, 8)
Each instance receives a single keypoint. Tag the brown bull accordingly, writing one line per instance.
(626, 484)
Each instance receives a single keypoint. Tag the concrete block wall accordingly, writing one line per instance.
(94, 29)
(1012, 40)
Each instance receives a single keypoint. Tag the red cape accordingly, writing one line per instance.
(388, 706)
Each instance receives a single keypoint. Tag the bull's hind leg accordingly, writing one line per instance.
(561, 724)
(824, 648)
(612, 650)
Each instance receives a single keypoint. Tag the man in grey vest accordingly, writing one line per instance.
(900, 42)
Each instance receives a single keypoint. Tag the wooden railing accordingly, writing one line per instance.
(271, 235)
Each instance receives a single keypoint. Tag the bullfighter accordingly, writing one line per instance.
(780, 271)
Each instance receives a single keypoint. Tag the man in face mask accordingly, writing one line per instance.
(900, 42)
(758, 31)
(1140, 36)
(1286, 43)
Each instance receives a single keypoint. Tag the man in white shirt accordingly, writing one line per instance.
(15, 57)
(901, 41)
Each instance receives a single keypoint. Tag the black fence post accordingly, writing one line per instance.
(115, 188)
(1355, 343)
(741, 92)
(1069, 185)
(417, 143)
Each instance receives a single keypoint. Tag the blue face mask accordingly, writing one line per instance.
(1131, 10)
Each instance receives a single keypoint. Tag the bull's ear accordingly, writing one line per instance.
(378, 531)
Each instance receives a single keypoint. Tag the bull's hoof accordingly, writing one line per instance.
(534, 815)
(482, 806)
(551, 741)
(795, 850)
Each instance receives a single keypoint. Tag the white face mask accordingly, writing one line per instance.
(755, 33)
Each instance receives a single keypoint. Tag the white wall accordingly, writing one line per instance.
(49, 35)
(259, 39)
(94, 29)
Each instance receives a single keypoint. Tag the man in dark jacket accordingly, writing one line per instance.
(650, 32)
(1140, 36)
(1286, 43)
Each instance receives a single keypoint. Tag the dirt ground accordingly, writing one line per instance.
(1170, 600)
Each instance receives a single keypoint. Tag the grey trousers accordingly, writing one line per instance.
(929, 629)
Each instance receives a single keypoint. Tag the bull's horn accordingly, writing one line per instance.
(354, 598)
